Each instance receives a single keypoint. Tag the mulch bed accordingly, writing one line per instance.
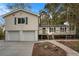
(47, 49)
(72, 44)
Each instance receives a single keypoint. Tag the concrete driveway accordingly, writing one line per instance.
(16, 48)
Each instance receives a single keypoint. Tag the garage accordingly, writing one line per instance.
(21, 36)
(29, 35)
(13, 36)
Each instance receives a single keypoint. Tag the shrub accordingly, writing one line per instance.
(1, 34)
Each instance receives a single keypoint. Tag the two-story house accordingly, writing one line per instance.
(21, 25)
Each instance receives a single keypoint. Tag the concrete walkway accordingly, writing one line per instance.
(16, 48)
(68, 40)
(69, 51)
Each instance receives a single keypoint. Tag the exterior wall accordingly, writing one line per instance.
(41, 31)
(11, 26)
(57, 32)
(6, 35)
(32, 21)
(36, 35)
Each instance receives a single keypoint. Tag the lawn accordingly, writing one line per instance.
(47, 49)
(72, 44)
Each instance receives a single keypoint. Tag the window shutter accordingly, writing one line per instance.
(26, 20)
(15, 20)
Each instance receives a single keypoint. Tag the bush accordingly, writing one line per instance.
(1, 34)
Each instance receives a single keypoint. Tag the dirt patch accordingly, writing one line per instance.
(47, 49)
(72, 44)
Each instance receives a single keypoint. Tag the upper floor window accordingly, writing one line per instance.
(21, 20)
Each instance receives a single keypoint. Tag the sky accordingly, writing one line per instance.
(35, 8)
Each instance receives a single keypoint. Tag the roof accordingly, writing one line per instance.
(18, 10)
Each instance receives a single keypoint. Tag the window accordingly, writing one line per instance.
(19, 20)
(23, 20)
(52, 29)
(63, 29)
(44, 30)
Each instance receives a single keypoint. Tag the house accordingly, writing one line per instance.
(56, 31)
(21, 25)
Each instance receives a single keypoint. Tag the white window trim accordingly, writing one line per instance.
(21, 23)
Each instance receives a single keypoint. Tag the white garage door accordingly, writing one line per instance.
(13, 35)
(29, 35)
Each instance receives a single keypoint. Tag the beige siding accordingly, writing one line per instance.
(57, 32)
(41, 30)
(32, 21)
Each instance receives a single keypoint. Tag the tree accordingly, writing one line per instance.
(54, 10)
(71, 12)
(1, 34)
(43, 17)
(68, 12)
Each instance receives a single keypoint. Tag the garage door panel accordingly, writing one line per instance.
(13, 36)
(29, 35)
(18, 36)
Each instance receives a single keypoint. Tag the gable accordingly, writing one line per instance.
(20, 14)
(17, 11)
